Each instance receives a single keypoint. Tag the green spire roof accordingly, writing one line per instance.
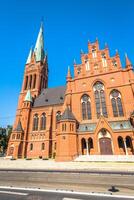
(29, 56)
(39, 47)
(28, 97)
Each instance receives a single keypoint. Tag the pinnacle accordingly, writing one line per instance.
(128, 63)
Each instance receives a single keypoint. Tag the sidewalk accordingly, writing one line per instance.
(38, 164)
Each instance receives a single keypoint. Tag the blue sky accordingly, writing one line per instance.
(68, 25)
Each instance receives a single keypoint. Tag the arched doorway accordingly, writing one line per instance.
(11, 150)
(20, 150)
(129, 145)
(90, 145)
(83, 146)
(121, 145)
(105, 142)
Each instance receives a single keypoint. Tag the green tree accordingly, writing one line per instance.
(4, 138)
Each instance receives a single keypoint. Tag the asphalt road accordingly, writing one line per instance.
(13, 178)
(82, 182)
(36, 195)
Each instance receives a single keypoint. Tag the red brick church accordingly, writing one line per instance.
(93, 114)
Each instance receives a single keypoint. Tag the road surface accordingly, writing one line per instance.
(13, 194)
(75, 181)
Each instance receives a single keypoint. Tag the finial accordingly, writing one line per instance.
(46, 53)
(116, 50)
(42, 22)
(125, 55)
(106, 45)
(96, 39)
(68, 73)
(81, 51)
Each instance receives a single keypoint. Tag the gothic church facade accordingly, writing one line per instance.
(93, 114)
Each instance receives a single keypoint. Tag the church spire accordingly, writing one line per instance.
(29, 56)
(39, 47)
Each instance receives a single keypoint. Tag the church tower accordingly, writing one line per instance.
(35, 79)
(35, 74)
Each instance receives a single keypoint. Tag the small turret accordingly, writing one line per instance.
(68, 74)
(28, 97)
(128, 63)
(29, 56)
(68, 90)
(67, 115)
(66, 137)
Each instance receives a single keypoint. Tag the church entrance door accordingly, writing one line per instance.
(105, 146)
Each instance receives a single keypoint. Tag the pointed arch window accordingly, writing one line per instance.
(94, 52)
(43, 122)
(42, 146)
(30, 82)
(104, 60)
(116, 102)
(100, 100)
(114, 62)
(35, 122)
(26, 83)
(31, 146)
(86, 107)
(34, 81)
(58, 116)
(87, 63)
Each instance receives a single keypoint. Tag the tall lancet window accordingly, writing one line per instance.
(58, 116)
(100, 100)
(35, 122)
(34, 81)
(26, 83)
(86, 107)
(104, 60)
(43, 122)
(30, 82)
(87, 64)
(116, 101)
(94, 54)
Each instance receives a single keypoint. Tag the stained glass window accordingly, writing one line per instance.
(116, 103)
(86, 107)
(100, 99)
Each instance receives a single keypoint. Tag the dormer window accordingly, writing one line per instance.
(104, 60)
(94, 52)
(114, 63)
